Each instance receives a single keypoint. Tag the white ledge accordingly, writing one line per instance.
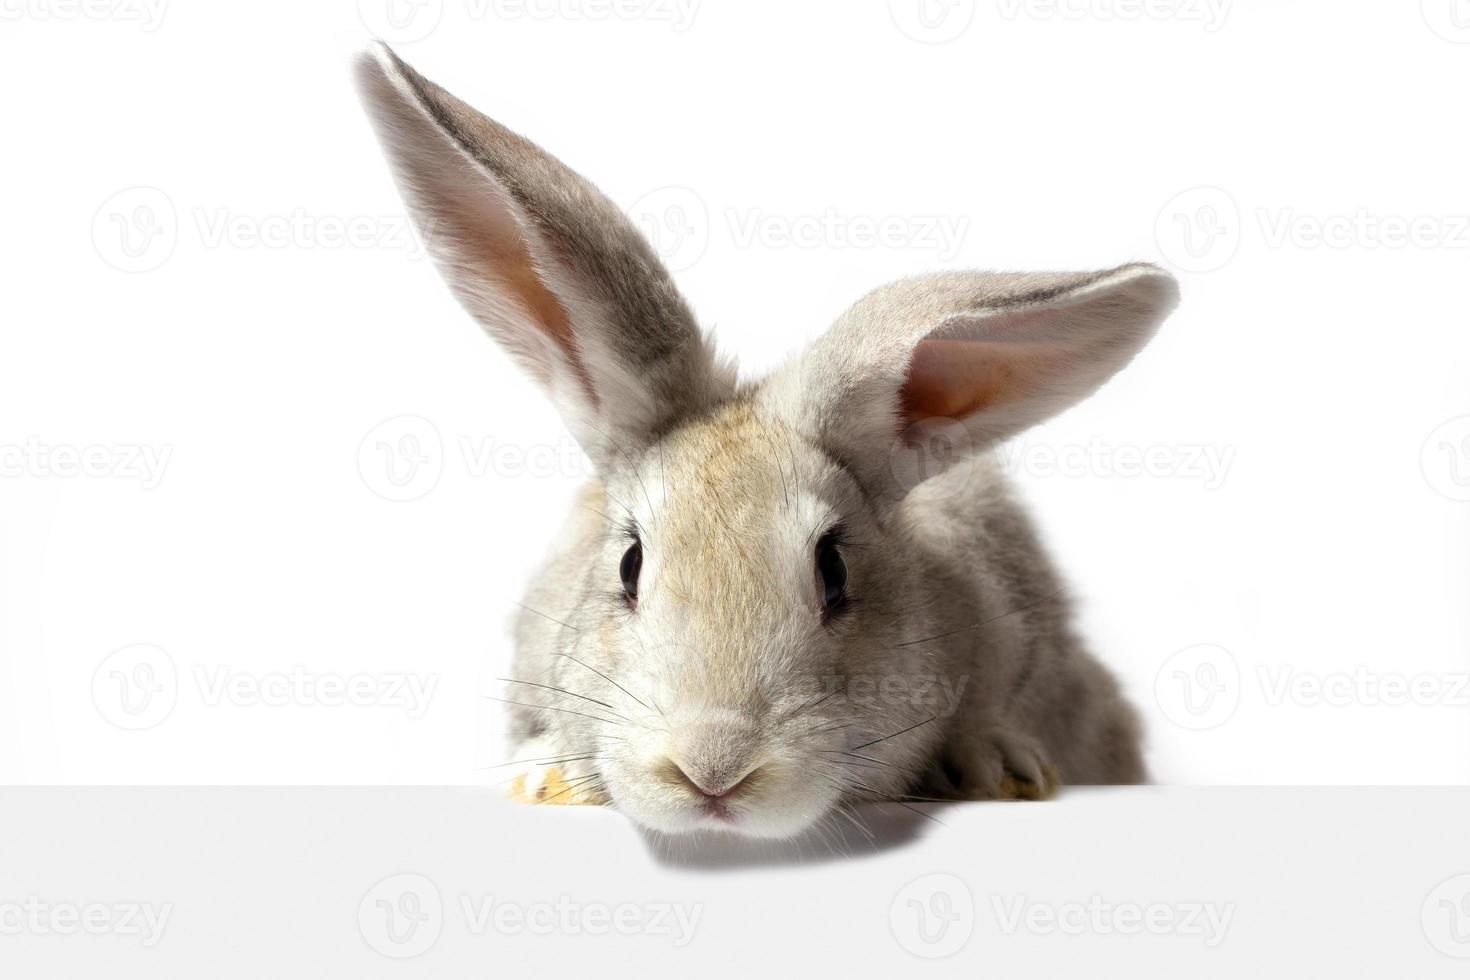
(1145, 882)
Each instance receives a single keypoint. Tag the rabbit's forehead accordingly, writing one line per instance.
(737, 482)
(736, 467)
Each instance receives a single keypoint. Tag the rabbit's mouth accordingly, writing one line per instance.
(770, 800)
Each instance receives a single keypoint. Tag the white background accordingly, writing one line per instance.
(216, 320)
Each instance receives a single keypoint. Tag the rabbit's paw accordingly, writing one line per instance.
(1001, 765)
(545, 775)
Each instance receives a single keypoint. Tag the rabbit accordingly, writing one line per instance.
(781, 598)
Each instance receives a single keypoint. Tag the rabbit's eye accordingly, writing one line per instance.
(631, 565)
(832, 570)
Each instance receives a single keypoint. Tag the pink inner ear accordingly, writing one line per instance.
(952, 379)
(957, 378)
(498, 249)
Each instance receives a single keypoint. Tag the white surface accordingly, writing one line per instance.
(312, 882)
(262, 354)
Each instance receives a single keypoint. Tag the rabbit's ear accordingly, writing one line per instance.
(979, 356)
(546, 264)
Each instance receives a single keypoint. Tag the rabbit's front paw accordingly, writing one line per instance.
(543, 774)
(1000, 765)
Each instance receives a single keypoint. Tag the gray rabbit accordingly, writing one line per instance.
(777, 599)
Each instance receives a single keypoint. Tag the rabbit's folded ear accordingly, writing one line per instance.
(547, 264)
(992, 353)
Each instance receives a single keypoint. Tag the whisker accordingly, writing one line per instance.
(631, 465)
(808, 706)
(560, 690)
(548, 707)
(895, 734)
(536, 762)
(604, 677)
(544, 616)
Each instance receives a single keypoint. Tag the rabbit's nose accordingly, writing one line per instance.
(713, 784)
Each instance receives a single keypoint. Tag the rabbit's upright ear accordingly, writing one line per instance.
(986, 354)
(546, 264)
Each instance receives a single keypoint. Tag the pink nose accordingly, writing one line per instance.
(713, 786)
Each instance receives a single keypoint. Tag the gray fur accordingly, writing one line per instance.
(725, 695)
